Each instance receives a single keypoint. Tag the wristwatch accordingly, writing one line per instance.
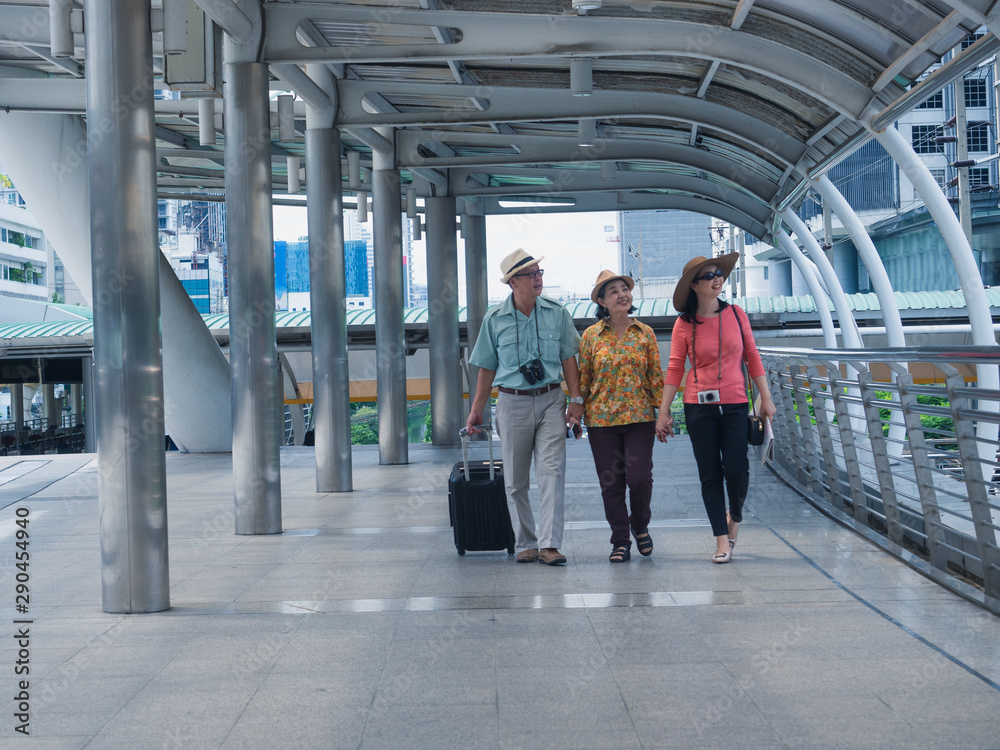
(576, 400)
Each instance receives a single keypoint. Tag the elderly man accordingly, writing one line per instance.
(526, 346)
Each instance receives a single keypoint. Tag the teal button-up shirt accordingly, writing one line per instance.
(508, 340)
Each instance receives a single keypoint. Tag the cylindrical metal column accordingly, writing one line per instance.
(442, 321)
(869, 256)
(390, 344)
(327, 293)
(128, 383)
(76, 403)
(822, 308)
(257, 403)
(49, 410)
(89, 407)
(976, 303)
(848, 325)
(476, 286)
(17, 405)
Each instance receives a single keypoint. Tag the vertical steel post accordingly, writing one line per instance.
(442, 321)
(390, 341)
(847, 438)
(883, 468)
(128, 383)
(810, 463)
(922, 472)
(975, 483)
(257, 403)
(476, 295)
(828, 466)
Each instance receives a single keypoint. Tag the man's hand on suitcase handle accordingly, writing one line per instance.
(472, 429)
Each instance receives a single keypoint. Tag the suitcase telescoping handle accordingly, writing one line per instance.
(464, 435)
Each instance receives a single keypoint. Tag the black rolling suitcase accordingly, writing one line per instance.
(477, 503)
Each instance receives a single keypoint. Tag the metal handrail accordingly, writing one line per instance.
(931, 489)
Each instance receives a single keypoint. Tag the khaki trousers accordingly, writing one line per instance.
(534, 426)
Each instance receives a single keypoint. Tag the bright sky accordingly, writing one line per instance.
(575, 246)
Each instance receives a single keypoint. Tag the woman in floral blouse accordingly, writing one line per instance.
(621, 382)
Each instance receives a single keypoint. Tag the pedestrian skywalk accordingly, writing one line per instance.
(361, 627)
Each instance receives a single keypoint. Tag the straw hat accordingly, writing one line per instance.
(694, 268)
(515, 262)
(603, 278)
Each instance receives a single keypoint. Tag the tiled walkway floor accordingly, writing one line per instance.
(360, 626)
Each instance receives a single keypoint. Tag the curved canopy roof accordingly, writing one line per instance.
(717, 106)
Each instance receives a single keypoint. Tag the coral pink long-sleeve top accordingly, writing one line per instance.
(732, 386)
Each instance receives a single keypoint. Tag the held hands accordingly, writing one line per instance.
(664, 426)
(574, 416)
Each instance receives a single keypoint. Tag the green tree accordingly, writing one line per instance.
(364, 424)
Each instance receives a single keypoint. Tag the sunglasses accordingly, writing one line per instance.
(716, 274)
(532, 274)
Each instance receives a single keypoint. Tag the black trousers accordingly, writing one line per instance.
(719, 439)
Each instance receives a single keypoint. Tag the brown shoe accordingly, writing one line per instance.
(551, 556)
(527, 555)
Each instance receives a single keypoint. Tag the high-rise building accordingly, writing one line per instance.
(200, 274)
(24, 264)
(655, 245)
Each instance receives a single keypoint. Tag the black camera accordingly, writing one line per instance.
(533, 371)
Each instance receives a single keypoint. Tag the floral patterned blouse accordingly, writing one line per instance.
(620, 379)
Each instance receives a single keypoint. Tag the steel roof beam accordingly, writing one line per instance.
(551, 149)
(931, 38)
(525, 35)
(571, 181)
(511, 104)
(590, 202)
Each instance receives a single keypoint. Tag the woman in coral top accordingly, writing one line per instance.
(621, 380)
(715, 337)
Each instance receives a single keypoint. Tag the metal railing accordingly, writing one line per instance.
(905, 443)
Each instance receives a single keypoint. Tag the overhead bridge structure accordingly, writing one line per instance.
(733, 109)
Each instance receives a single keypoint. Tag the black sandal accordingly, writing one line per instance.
(620, 555)
(644, 543)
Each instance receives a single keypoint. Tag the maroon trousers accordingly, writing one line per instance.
(623, 455)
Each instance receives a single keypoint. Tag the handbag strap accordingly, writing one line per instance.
(744, 366)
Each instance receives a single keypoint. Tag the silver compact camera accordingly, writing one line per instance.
(708, 397)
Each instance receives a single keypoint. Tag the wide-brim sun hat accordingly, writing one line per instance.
(516, 261)
(603, 278)
(694, 268)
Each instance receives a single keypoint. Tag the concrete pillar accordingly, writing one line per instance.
(447, 416)
(390, 343)
(327, 296)
(253, 356)
(128, 383)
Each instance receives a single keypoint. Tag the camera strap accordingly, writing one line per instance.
(694, 340)
(517, 336)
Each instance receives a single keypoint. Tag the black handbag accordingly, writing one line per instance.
(755, 423)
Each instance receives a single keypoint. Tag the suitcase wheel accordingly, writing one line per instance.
(461, 552)
(510, 550)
